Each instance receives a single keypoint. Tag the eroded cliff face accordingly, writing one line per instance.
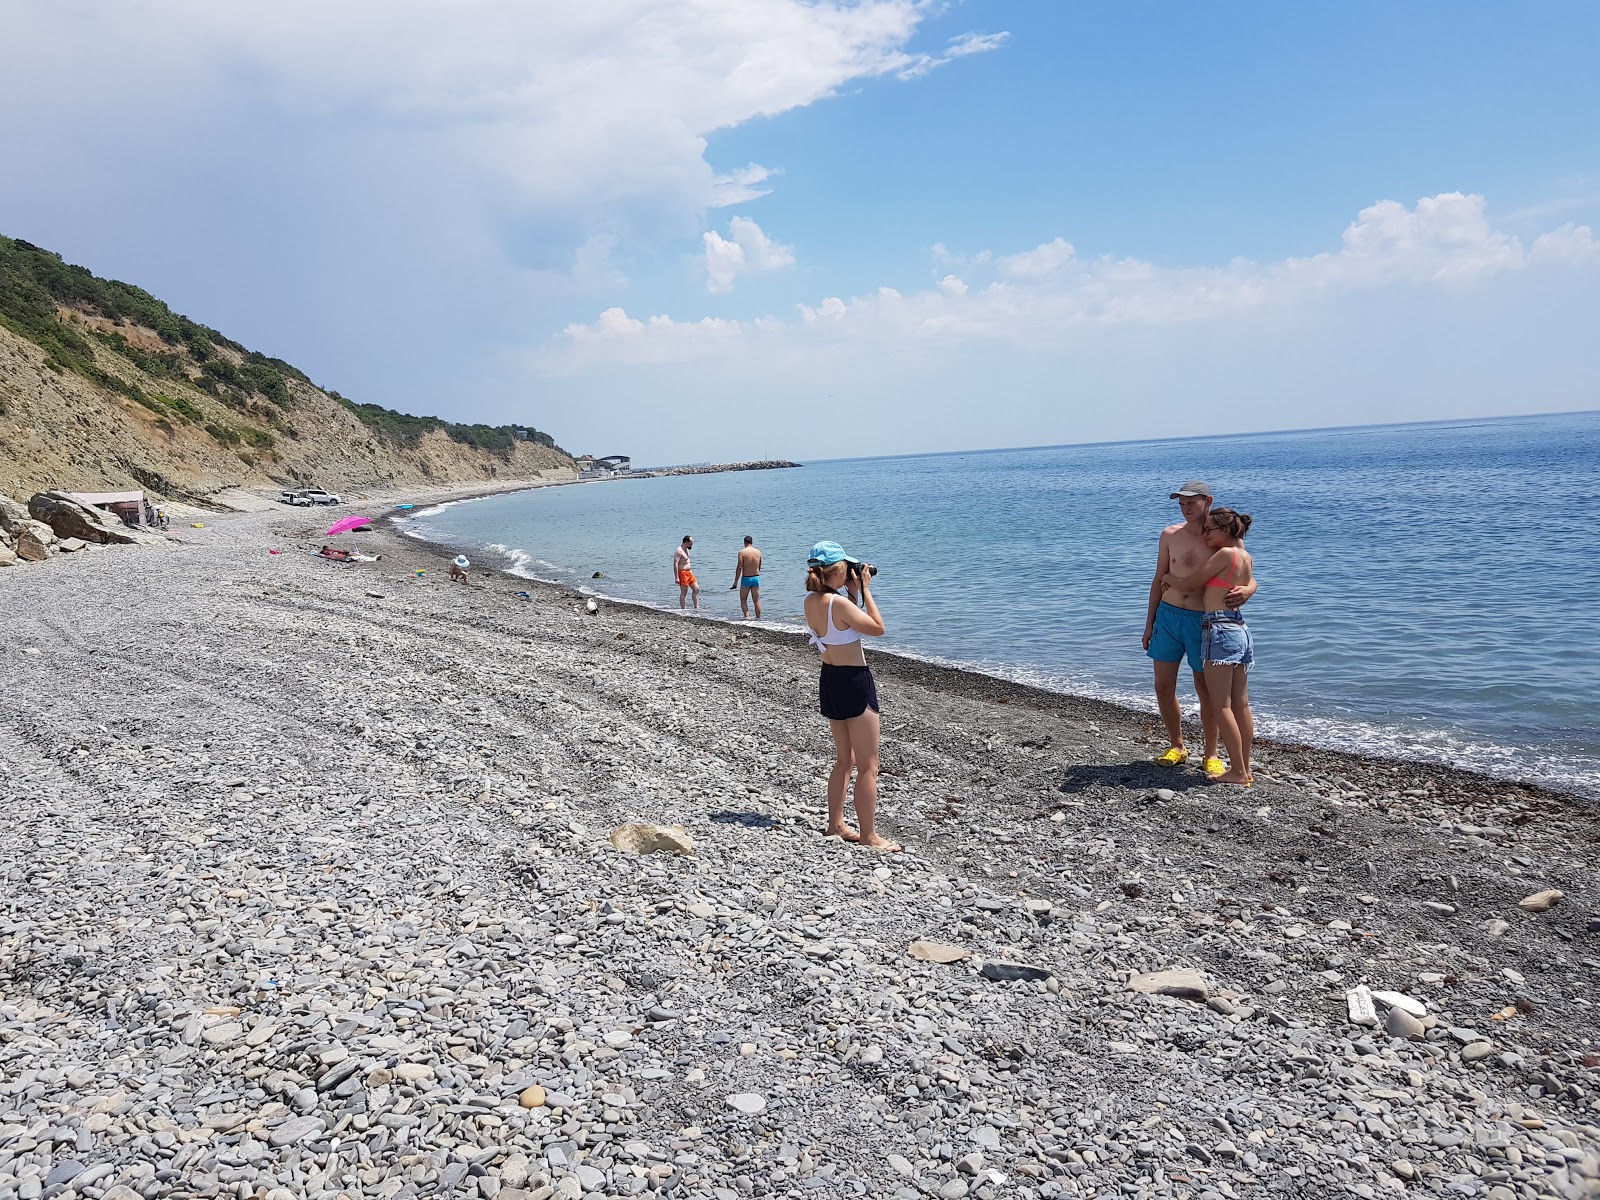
(60, 431)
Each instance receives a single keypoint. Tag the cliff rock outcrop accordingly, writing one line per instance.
(103, 388)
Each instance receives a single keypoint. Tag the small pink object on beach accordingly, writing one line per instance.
(345, 524)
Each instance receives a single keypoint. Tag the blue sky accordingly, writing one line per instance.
(714, 229)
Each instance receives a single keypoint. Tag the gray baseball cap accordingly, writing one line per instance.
(1195, 487)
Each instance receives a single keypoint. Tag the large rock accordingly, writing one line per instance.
(33, 542)
(10, 514)
(8, 556)
(1185, 985)
(73, 518)
(1541, 901)
(639, 838)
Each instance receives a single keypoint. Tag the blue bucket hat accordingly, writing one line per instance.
(825, 554)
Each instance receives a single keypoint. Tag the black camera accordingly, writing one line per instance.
(855, 569)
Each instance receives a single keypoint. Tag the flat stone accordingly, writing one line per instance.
(703, 911)
(1003, 971)
(1185, 985)
(749, 1103)
(1400, 1000)
(1440, 907)
(1403, 1169)
(297, 1129)
(902, 1165)
(1358, 1001)
(413, 1072)
(64, 1172)
(1473, 1051)
(1542, 901)
(592, 1178)
(637, 837)
(261, 1033)
(954, 1190)
(936, 952)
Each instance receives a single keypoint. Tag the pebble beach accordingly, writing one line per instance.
(306, 890)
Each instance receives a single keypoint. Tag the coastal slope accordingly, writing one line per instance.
(104, 388)
(308, 888)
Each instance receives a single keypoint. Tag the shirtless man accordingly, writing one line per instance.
(747, 577)
(1172, 625)
(683, 574)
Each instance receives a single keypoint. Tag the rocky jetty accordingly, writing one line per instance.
(766, 464)
(313, 888)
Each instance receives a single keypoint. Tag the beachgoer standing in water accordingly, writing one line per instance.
(1172, 625)
(683, 573)
(847, 695)
(747, 577)
(1225, 639)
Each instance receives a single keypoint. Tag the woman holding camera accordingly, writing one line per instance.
(847, 695)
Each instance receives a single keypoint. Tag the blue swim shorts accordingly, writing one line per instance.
(1225, 640)
(1177, 636)
(750, 581)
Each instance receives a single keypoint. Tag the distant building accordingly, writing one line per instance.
(130, 507)
(615, 462)
(584, 462)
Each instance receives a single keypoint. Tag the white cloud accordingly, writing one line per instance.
(656, 340)
(746, 248)
(1571, 243)
(1040, 296)
(958, 47)
(1038, 263)
(580, 119)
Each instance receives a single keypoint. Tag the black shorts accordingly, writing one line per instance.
(846, 692)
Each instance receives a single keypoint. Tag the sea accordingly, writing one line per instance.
(1424, 589)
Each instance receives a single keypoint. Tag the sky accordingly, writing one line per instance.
(712, 230)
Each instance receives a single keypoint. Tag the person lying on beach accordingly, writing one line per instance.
(354, 557)
(1226, 649)
(335, 555)
(846, 692)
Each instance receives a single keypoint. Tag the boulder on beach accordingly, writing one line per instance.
(636, 837)
(33, 541)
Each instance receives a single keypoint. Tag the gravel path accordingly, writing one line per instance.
(307, 893)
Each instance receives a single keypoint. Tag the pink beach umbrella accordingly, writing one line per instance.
(345, 524)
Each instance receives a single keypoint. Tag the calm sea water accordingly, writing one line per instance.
(1424, 588)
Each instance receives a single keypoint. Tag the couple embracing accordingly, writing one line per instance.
(1203, 577)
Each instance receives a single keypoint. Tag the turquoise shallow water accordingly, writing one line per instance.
(1425, 589)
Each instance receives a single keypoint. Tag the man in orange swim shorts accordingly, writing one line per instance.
(683, 574)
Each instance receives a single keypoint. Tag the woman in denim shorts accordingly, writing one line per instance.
(1225, 638)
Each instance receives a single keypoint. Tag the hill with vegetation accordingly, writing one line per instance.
(103, 387)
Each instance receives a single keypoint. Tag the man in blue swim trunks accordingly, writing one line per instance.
(747, 577)
(1172, 625)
